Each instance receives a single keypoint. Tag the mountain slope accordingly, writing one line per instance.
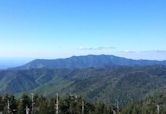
(124, 84)
(96, 61)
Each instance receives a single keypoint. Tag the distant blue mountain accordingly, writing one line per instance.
(95, 61)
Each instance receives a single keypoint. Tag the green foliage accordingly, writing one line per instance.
(148, 106)
(43, 105)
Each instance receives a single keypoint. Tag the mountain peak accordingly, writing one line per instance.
(86, 61)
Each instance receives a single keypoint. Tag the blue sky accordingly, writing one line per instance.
(62, 28)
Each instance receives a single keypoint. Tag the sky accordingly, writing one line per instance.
(32, 29)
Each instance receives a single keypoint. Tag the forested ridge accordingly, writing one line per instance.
(73, 104)
(126, 84)
(56, 105)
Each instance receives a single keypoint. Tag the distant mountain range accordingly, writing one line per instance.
(95, 61)
(96, 77)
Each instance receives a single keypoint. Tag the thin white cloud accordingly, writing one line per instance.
(126, 51)
(146, 54)
(97, 48)
(145, 51)
(156, 51)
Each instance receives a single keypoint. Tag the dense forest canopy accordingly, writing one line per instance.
(73, 104)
